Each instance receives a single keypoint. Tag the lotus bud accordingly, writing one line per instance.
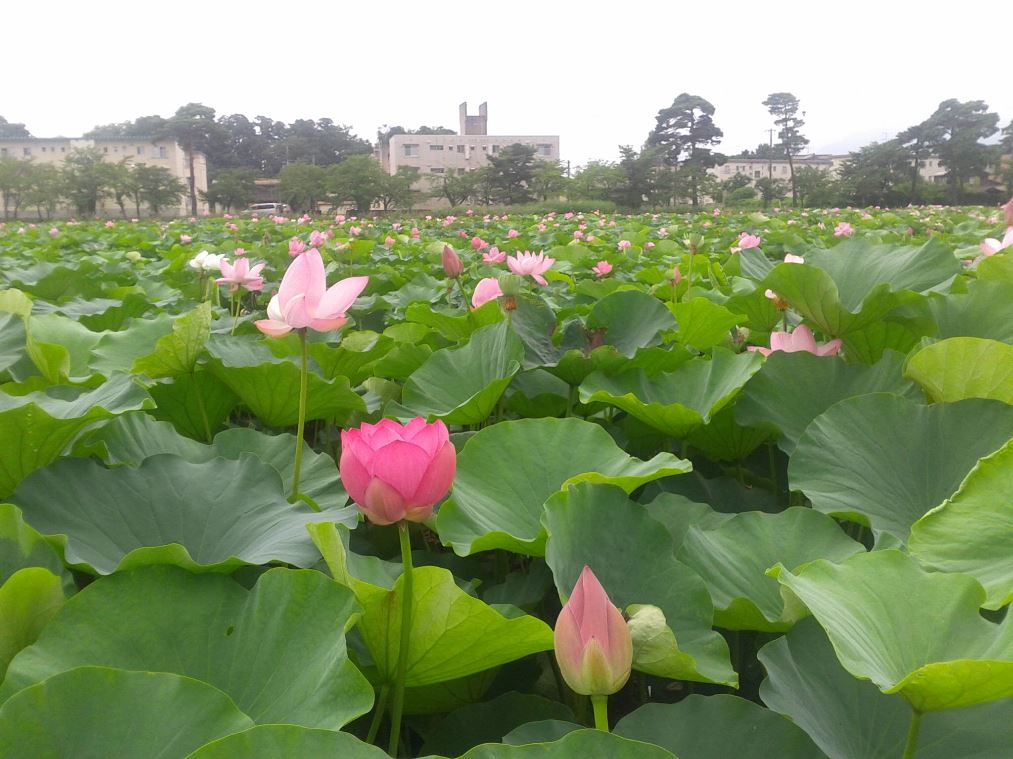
(593, 644)
(452, 265)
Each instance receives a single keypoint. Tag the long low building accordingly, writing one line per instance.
(166, 153)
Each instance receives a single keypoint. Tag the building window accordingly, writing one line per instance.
(63, 150)
(460, 148)
(436, 147)
(544, 150)
(437, 170)
(140, 150)
(26, 151)
(756, 174)
(162, 152)
(411, 150)
(3, 151)
(105, 150)
(495, 149)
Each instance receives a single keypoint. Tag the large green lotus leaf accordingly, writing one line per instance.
(287, 742)
(189, 399)
(96, 712)
(60, 347)
(269, 386)
(277, 650)
(636, 565)
(884, 461)
(675, 402)
(209, 516)
(489, 721)
(996, 269)
(630, 320)
(702, 727)
(586, 744)
(732, 559)
(454, 327)
(972, 532)
(964, 367)
(117, 351)
(22, 546)
(36, 427)
(354, 357)
(909, 631)
(792, 389)
(29, 599)
(12, 340)
(985, 310)
(850, 718)
(506, 471)
(131, 438)
(452, 633)
(540, 731)
(177, 352)
(722, 439)
(463, 385)
(704, 324)
(868, 344)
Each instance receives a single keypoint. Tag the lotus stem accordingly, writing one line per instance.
(911, 746)
(300, 429)
(378, 712)
(397, 705)
(200, 405)
(601, 712)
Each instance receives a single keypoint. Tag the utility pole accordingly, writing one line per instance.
(770, 156)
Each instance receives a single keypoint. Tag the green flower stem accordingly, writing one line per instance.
(406, 627)
(235, 306)
(912, 735)
(601, 712)
(200, 405)
(378, 712)
(303, 386)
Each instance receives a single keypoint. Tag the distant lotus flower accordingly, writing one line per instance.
(578, 235)
(624, 245)
(494, 256)
(240, 275)
(452, 265)
(355, 231)
(513, 233)
(717, 211)
(339, 219)
(415, 232)
(110, 224)
(296, 247)
(568, 215)
(317, 239)
(843, 229)
(240, 251)
(396, 226)
(305, 218)
(662, 232)
(205, 262)
(676, 276)
(602, 269)
(531, 264)
(801, 340)
(593, 644)
(304, 300)
(486, 290)
(53, 232)
(746, 241)
(477, 243)
(182, 238)
(395, 472)
(542, 227)
(991, 246)
(389, 242)
(793, 259)
(648, 245)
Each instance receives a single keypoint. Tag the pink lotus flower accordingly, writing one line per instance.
(53, 232)
(389, 242)
(304, 301)
(355, 231)
(396, 472)
(648, 245)
(240, 275)
(531, 264)
(110, 224)
(1008, 212)
(800, 340)
(296, 247)
(593, 644)
(793, 259)
(602, 268)
(843, 229)
(339, 219)
(991, 246)
(578, 235)
(624, 245)
(240, 251)
(676, 276)
(182, 238)
(494, 256)
(477, 243)
(513, 233)
(452, 265)
(486, 290)
(317, 239)
(746, 241)
(415, 232)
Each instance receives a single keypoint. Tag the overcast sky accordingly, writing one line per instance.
(595, 73)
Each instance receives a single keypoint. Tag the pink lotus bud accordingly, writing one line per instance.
(594, 647)
(624, 245)
(296, 246)
(396, 472)
(452, 265)
(676, 276)
(389, 242)
(486, 290)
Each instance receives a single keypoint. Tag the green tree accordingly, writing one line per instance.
(457, 188)
(119, 181)
(358, 179)
(640, 176)
(302, 185)
(918, 140)
(877, 174)
(396, 189)
(598, 180)
(783, 106)
(155, 187)
(86, 178)
(193, 126)
(11, 131)
(548, 181)
(816, 187)
(960, 127)
(684, 134)
(15, 179)
(232, 188)
(44, 189)
(771, 190)
(511, 174)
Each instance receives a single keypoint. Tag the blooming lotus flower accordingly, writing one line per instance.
(240, 274)
(389, 242)
(746, 241)
(182, 238)
(477, 243)
(798, 341)
(991, 246)
(355, 231)
(624, 245)
(793, 259)
(110, 224)
(1008, 212)
(296, 247)
(205, 262)
(317, 239)
(494, 256)
(452, 265)
(303, 299)
(531, 264)
(602, 268)
(396, 472)
(843, 229)
(53, 232)
(513, 233)
(240, 251)
(486, 290)
(593, 644)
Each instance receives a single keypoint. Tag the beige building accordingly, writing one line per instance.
(138, 150)
(439, 155)
(930, 169)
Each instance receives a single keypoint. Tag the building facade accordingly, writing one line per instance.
(930, 169)
(166, 153)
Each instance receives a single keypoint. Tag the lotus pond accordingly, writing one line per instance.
(781, 445)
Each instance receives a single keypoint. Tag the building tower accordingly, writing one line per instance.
(474, 124)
